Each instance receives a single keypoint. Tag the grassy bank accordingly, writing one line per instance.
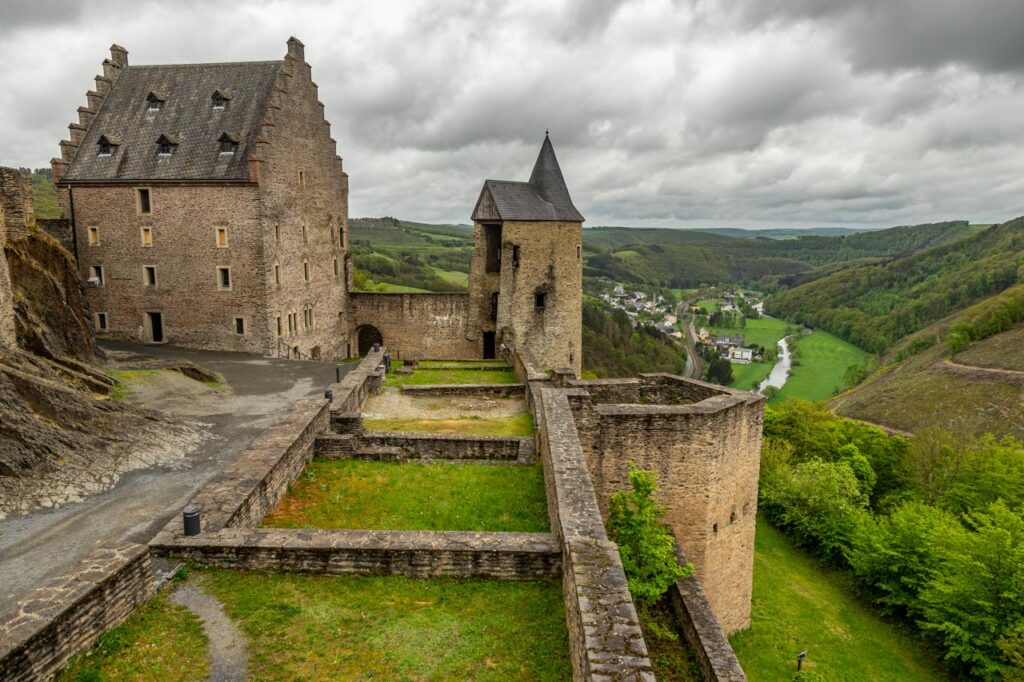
(799, 605)
(391, 628)
(821, 373)
(414, 496)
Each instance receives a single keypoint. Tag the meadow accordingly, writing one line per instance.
(821, 372)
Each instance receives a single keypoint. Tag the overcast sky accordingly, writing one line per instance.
(739, 113)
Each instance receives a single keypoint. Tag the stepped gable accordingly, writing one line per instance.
(544, 197)
(186, 117)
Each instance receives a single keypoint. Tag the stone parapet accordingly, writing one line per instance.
(402, 446)
(68, 614)
(351, 392)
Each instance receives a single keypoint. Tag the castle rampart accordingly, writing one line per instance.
(419, 326)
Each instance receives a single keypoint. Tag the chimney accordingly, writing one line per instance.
(118, 55)
(296, 49)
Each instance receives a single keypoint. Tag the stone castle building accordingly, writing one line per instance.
(209, 206)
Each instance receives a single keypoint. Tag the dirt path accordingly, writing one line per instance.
(974, 371)
(229, 657)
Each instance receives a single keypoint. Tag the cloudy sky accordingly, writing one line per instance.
(679, 114)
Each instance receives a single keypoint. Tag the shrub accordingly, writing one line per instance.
(645, 542)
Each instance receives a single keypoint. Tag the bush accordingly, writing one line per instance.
(645, 543)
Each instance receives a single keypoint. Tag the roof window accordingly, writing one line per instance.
(106, 145)
(228, 143)
(154, 102)
(165, 145)
(220, 100)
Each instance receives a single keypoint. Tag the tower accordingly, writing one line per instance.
(526, 274)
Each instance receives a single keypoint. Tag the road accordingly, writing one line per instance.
(36, 547)
(694, 363)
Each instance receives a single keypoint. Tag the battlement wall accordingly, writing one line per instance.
(418, 326)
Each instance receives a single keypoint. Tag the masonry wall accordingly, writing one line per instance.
(707, 458)
(303, 185)
(67, 615)
(418, 326)
(196, 311)
(11, 185)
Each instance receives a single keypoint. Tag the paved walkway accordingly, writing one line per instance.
(39, 546)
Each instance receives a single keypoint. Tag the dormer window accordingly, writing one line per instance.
(154, 102)
(165, 145)
(228, 143)
(219, 100)
(105, 146)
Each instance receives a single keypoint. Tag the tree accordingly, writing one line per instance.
(646, 545)
(719, 371)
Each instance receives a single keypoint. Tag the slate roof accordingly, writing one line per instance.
(186, 117)
(544, 197)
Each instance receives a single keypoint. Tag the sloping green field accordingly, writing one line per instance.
(821, 373)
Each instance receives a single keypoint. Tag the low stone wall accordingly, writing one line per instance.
(605, 639)
(401, 446)
(351, 392)
(252, 485)
(417, 554)
(67, 615)
(467, 390)
(700, 629)
(657, 388)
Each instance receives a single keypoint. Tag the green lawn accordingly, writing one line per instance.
(764, 331)
(415, 496)
(453, 277)
(747, 377)
(160, 641)
(389, 288)
(516, 425)
(711, 305)
(449, 376)
(428, 364)
(824, 360)
(306, 627)
(799, 605)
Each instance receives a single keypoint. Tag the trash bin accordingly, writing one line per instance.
(191, 516)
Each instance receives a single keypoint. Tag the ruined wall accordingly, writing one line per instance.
(9, 183)
(419, 326)
(304, 206)
(60, 229)
(707, 459)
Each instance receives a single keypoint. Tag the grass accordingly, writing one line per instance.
(160, 641)
(671, 659)
(305, 627)
(824, 360)
(711, 305)
(454, 277)
(764, 331)
(1001, 351)
(126, 377)
(747, 377)
(428, 364)
(424, 376)
(415, 496)
(799, 605)
(389, 288)
(516, 425)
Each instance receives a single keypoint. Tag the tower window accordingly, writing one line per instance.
(146, 236)
(279, 325)
(239, 325)
(341, 236)
(145, 207)
(222, 237)
(579, 252)
(540, 301)
(305, 236)
(94, 236)
(96, 274)
(224, 277)
(515, 256)
(101, 322)
(277, 274)
(149, 275)
(305, 270)
(494, 306)
(492, 237)
(302, 178)
(336, 271)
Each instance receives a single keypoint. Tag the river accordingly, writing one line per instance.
(780, 372)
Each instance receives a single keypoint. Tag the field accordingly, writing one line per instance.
(1002, 351)
(799, 606)
(824, 360)
(414, 496)
(709, 304)
(518, 425)
(747, 377)
(764, 331)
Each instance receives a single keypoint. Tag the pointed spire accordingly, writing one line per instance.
(548, 182)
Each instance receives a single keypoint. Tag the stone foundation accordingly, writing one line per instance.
(467, 390)
(401, 447)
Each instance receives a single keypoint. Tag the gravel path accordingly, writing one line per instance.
(229, 658)
(392, 403)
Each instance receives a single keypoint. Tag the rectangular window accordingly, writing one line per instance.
(305, 237)
(579, 251)
(149, 275)
(222, 237)
(336, 271)
(224, 277)
(540, 301)
(277, 274)
(290, 328)
(146, 236)
(144, 204)
(101, 322)
(96, 275)
(239, 325)
(515, 256)
(305, 270)
(94, 236)
(279, 325)
(494, 306)
(277, 232)
(492, 237)
(302, 178)
(341, 236)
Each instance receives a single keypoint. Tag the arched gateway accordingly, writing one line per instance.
(366, 336)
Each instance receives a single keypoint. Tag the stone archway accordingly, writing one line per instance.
(366, 336)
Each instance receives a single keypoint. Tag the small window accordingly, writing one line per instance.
(494, 306)
(305, 237)
(222, 237)
(302, 178)
(94, 236)
(228, 144)
(239, 325)
(149, 275)
(105, 147)
(277, 232)
(305, 270)
(219, 101)
(291, 324)
(146, 235)
(579, 252)
(341, 236)
(279, 325)
(165, 146)
(540, 301)
(224, 277)
(101, 322)
(96, 274)
(154, 102)
(515, 256)
(277, 274)
(336, 271)
(145, 207)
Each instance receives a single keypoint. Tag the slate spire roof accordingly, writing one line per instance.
(544, 197)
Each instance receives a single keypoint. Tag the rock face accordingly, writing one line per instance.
(61, 436)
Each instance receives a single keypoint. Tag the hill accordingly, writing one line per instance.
(873, 305)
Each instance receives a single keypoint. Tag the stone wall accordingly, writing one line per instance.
(605, 639)
(61, 230)
(11, 185)
(707, 459)
(415, 554)
(400, 447)
(67, 615)
(417, 326)
(348, 396)
(466, 390)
